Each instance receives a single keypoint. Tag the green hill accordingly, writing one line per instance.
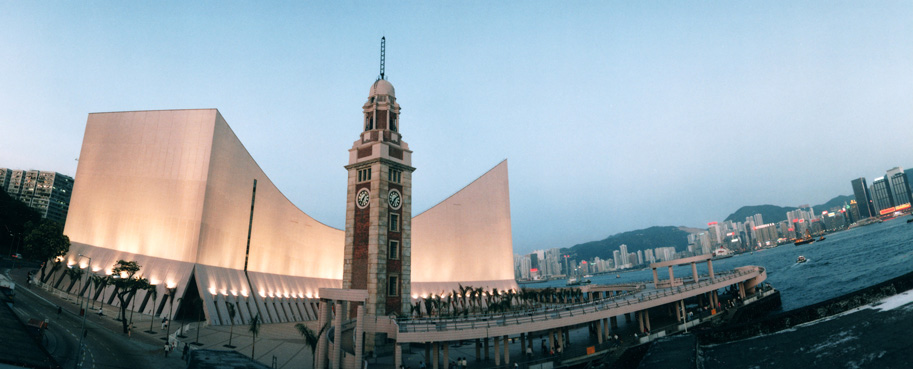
(636, 240)
(773, 213)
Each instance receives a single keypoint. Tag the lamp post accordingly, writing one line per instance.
(84, 332)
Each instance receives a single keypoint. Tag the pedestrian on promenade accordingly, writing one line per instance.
(164, 322)
(167, 349)
(59, 309)
(185, 352)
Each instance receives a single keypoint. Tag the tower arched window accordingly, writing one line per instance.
(369, 124)
(393, 122)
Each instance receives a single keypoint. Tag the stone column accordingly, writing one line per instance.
(497, 351)
(427, 354)
(337, 337)
(599, 331)
(359, 337)
(397, 355)
(323, 318)
(655, 277)
(647, 319)
(446, 360)
(671, 276)
(678, 313)
(710, 268)
(742, 290)
(478, 350)
(522, 344)
(506, 351)
(605, 327)
(694, 271)
(486, 348)
(436, 355)
(640, 321)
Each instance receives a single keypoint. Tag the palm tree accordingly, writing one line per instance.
(231, 315)
(255, 330)
(311, 339)
(154, 293)
(127, 285)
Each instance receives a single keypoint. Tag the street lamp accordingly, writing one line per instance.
(84, 332)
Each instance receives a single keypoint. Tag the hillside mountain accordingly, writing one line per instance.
(640, 239)
(770, 213)
(773, 213)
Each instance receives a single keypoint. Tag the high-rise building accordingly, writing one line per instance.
(882, 195)
(899, 184)
(624, 254)
(864, 201)
(46, 192)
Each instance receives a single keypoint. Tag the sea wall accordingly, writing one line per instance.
(745, 329)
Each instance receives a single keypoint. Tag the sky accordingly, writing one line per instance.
(613, 115)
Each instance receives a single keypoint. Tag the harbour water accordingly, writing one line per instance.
(844, 262)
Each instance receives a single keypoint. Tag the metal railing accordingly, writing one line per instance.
(562, 311)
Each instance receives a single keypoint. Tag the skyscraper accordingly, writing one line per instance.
(899, 184)
(881, 194)
(863, 198)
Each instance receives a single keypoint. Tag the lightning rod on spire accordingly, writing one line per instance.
(383, 41)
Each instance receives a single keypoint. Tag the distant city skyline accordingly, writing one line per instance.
(614, 116)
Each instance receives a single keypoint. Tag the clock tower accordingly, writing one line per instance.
(379, 207)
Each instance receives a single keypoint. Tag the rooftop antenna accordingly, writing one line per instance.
(383, 42)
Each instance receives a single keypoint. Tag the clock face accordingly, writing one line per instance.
(395, 199)
(362, 198)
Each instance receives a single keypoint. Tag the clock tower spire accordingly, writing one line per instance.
(379, 206)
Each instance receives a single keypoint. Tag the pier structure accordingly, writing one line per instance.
(603, 304)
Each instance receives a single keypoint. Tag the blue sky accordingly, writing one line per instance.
(613, 116)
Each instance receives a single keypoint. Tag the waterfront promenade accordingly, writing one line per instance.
(281, 346)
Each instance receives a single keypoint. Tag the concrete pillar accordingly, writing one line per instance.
(436, 355)
(486, 348)
(522, 344)
(497, 351)
(397, 355)
(716, 299)
(323, 318)
(446, 360)
(614, 320)
(478, 349)
(647, 319)
(694, 271)
(671, 276)
(506, 350)
(337, 337)
(655, 277)
(359, 337)
(605, 327)
(599, 331)
(640, 320)
(742, 289)
(551, 339)
(710, 268)
(678, 312)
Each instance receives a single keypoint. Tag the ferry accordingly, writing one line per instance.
(576, 282)
(804, 240)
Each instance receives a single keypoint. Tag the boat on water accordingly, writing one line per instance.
(804, 240)
(910, 220)
(801, 259)
(821, 238)
(618, 276)
(577, 282)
